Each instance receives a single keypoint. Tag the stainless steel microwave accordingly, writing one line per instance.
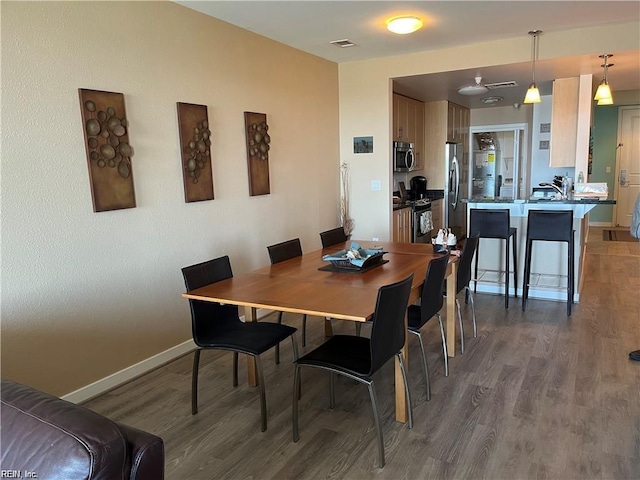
(403, 156)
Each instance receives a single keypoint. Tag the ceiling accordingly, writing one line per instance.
(310, 26)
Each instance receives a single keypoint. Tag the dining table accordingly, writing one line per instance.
(310, 285)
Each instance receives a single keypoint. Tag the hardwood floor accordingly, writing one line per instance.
(536, 395)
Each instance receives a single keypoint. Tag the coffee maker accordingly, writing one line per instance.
(418, 187)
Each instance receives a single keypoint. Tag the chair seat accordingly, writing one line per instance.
(344, 353)
(251, 338)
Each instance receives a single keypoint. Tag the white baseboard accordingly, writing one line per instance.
(110, 382)
(107, 383)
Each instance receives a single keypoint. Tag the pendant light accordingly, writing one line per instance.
(603, 94)
(533, 94)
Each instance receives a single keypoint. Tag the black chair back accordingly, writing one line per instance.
(550, 225)
(333, 237)
(489, 223)
(464, 265)
(284, 251)
(432, 297)
(209, 318)
(388, 330)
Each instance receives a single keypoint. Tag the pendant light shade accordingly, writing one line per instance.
(606, 101)
(533, 94)
(604, 90)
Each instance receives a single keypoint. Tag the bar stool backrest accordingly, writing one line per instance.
(550, 225)
(489, 223)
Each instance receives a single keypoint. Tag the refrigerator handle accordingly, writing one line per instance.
(455, 182)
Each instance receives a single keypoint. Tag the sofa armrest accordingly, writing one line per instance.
(147, 453)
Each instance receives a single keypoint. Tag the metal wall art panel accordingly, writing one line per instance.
(258, 145)
(106, 137)
(195, 147)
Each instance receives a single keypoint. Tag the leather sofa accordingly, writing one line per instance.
(45, 437)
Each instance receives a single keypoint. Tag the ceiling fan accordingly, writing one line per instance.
(476, 89)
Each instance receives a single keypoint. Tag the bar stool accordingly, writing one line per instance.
(495, 223)
(550, 226)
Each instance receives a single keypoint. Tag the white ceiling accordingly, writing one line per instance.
(310, 26)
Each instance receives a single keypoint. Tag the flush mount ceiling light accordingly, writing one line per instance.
(490, 100)
(403, 25)
(603, 94)
(533, 94)
(476, 89)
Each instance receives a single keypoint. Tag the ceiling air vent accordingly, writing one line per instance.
(343, 43)
(493, 86)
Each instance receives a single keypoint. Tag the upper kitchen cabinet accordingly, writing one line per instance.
(570, 122)
(408, 125)
(457, 122)
(444, 122)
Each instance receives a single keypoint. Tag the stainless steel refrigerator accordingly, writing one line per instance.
(456, 189)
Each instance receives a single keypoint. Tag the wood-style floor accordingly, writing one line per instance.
(536, 395)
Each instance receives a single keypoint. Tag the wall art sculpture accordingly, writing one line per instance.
(108, 149)
(258, 145)
(195, 147)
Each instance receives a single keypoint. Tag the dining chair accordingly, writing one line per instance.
(431, 301)
(333, 237)
(463, 278)
(218, 327)
(279, 253)
(359, 358)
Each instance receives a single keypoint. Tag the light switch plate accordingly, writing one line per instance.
(376, 185)
(607, 170)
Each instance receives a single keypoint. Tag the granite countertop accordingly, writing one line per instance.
(568, 201)
(400, 206)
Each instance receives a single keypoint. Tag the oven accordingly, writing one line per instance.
(421, 221)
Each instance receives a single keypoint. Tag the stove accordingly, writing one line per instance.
(418, 205)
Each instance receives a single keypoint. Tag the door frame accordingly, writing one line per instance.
(518, 170)
(619, 143)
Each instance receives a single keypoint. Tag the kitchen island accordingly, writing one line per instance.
(549, 260)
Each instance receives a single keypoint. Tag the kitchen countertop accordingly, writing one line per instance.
(400, 206)
(569, 201)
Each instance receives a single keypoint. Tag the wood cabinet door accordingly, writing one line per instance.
(564, 122)
(406, 224)
(437, 213)
(419, 134)
(403, 119)
(451, 121)
(396, 225)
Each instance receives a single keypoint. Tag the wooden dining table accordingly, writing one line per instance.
(300, 285)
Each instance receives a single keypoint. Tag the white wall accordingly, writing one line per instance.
(87, 294)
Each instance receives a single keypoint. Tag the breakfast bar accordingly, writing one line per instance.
(549, 262)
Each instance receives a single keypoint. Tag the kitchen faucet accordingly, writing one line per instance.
(553, 185)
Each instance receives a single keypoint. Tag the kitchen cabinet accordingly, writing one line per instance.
(408, 125)
(419, 135)
(570, 122)
(444, 122)
(437, 214)
(402, 225)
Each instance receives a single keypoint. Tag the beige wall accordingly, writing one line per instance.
(365, 102)
(88, 294)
